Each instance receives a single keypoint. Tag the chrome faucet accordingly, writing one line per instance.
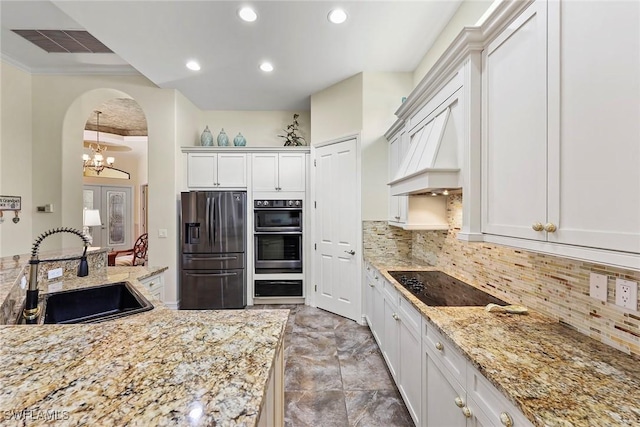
(31, 309)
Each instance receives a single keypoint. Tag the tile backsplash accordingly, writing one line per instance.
(557, 287)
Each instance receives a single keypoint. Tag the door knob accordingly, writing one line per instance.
(537, 226)
(351, 252)
(550, 227)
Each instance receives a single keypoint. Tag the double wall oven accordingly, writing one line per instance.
(278, 246)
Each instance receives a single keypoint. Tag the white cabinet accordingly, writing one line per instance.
(410, 348)
(398, 205)
(155, 285)
(374, 303)
(396, 326)
(391, 344)
(278, 171)
(560, 132)
(216, 170)
(456, 394)
(514, 139)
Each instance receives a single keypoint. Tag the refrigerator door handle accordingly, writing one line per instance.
(215, 221)
(211, 274)
(208, 215)
(222, 258)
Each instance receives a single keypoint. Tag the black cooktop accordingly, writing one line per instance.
(436, 288)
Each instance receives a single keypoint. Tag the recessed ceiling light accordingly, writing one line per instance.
(337, 16)
(193, 65)
(247, 14)
(266, 67)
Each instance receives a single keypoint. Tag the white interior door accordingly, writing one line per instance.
(337, 228)
(116, 214)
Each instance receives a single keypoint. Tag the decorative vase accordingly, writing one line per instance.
(239, 141)
(206, 139)
(223, 139)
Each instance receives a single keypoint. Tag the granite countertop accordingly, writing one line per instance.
(556, 375)
(161, 367)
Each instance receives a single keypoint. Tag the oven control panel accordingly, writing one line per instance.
(278, 204)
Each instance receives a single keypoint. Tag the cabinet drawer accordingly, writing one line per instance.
(389, 290)
(443, 350)
(410, 316)
(493, 404)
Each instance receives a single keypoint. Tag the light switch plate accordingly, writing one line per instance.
(627, 294)
(598, 286)
(162, 233)
(54, 273)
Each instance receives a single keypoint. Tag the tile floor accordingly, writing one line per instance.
(335, 374)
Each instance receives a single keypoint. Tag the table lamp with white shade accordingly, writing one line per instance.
(90, 218)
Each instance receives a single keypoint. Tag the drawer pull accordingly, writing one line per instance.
(537, 226)
(459, 402)
(371, 284)
(506, 419)
(439, 346)
(550, 227)
(467, 412)
(376, 277)
(151, 284)
(395, 316)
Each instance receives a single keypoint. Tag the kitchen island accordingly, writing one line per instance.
(160, 367)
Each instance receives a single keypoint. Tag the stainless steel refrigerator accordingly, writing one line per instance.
(212, 250)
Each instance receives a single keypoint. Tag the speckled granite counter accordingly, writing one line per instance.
(554, 374)
(161, 367)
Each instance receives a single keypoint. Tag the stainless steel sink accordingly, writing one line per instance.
(93, 304)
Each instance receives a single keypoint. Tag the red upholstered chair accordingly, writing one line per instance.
(130, 257)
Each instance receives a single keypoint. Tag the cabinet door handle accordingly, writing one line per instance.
(537, 226)
(371, 284)
(439, 347)
(467, 412)
(506, 419)
(459, 402)
(550, 227)
(395, 316)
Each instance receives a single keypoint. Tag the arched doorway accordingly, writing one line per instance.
(123, 130)
(117, 130)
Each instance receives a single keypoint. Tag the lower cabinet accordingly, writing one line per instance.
(456, 393)
(272, 411)
(440, 387)
(155, 285)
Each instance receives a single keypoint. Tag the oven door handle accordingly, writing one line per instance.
(273, 233)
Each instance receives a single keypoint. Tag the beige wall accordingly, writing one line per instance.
(467, 15)
(260, 128)
(337, 110)
(61, 106)
(381, 96)
(15, 157)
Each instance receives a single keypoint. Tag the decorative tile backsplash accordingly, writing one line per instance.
(557, 287)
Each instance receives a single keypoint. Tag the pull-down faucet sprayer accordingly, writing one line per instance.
(31, 309)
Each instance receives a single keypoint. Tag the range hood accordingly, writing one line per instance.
(432, 160)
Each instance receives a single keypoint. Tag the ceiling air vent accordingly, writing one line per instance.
(64, 41)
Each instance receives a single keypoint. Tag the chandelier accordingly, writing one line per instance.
(97, 160)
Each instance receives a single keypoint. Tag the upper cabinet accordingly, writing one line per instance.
(216, 170)
(398, 205)
(561, 133)
(514, 150)
(279, 171)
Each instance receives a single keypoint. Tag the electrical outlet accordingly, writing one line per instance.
(598, 286)
(54, 273)
(627, 294)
